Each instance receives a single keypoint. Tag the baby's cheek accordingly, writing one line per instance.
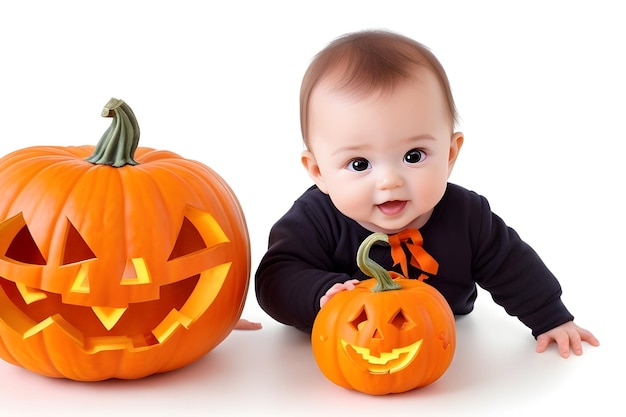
(356, 205)
(429, 190)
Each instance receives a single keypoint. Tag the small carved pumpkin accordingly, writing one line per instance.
(386, 335)
(116, 267)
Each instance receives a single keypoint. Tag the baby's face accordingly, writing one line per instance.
(384, 159)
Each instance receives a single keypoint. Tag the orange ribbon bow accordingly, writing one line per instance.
(412, 240)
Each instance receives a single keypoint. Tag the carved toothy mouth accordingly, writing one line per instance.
(138, 326)
(386, 362)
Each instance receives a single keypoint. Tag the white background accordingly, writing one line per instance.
(540, 88)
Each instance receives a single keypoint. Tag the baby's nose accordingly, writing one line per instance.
(389, 178)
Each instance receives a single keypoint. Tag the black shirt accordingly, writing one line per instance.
(314, 246)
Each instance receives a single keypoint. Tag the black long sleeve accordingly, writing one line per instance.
(314, 246)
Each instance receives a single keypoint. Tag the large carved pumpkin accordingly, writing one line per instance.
(125, 263)
(386, 335)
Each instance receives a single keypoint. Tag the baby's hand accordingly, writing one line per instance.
(566, 335)
(348, 285)
(244, 324)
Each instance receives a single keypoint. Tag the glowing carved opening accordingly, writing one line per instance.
(75, 248)
(359, 320)
(386, 362)
(188, 241)
(96, 329)
(109, 316)
(81, 283)
(30, 295)
(22, 247)
(401, 321)
(29, 311)
(136, 272)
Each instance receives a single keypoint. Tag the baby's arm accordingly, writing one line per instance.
(310, 249)
(341, 286)
(565, 336)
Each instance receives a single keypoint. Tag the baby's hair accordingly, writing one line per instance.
(371, 60)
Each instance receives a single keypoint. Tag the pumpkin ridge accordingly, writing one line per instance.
(48, 356)
(159, 191)
(145, 155)
(186, 169)
(16, 189)
(27, 155)
(30, 188)
(58, 235)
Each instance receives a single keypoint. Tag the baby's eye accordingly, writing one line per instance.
(414, 156)
(358, 164)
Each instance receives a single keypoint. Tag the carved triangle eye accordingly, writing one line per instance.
(189, 240)
(399, 320)
(359, 321)
(24, 249)
(75, 249)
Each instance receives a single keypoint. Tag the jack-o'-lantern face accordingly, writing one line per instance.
(136, 323)
(384, 342)
(116, 269)
(387, 350)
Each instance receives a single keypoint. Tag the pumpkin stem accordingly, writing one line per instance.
(118, 144)
(384, 282)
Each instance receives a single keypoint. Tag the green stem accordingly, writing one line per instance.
(118, 144)
(384, 282)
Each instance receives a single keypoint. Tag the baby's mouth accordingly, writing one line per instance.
(391, 208)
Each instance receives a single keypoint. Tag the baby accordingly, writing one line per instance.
(378, 119)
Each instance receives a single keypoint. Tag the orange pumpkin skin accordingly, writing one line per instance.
(384, 342)
(116, 272)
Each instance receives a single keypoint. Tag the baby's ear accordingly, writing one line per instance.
(455, 147)
(310, 164)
